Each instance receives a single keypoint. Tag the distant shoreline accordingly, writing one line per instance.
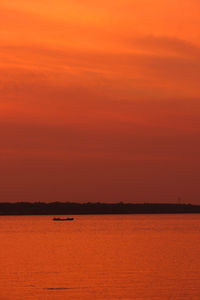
(100, 214)
(91, 208)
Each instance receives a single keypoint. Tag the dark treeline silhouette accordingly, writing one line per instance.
(72, 208)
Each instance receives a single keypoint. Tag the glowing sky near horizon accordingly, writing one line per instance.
(99, 100)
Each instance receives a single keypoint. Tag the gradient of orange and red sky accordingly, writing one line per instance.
(99, 100)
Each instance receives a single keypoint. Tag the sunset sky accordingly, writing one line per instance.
(99, 100)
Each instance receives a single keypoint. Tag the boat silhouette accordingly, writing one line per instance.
(63, 219)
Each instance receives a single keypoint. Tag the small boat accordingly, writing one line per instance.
(63, 219)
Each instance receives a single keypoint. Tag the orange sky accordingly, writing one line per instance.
(99, 101)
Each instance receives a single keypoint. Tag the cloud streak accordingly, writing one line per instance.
(103, 96)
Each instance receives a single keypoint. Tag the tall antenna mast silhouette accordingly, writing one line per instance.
(179, 200)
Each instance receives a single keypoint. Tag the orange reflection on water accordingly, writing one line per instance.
(100, 257)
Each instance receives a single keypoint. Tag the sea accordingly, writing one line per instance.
(140, 257)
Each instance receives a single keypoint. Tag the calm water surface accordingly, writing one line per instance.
(100, 257)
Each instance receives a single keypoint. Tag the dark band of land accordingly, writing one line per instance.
(73, 208)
